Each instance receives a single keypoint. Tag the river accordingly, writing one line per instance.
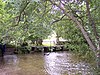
(54, 63)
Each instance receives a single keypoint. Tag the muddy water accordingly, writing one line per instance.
(55, 63)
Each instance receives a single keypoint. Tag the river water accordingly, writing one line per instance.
(54, 63)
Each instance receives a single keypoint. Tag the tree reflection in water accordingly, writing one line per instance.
(55, 63)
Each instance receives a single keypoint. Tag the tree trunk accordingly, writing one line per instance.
(57, 40)
(39, 42)
(79, 25)
(85, 34)
(91, 21)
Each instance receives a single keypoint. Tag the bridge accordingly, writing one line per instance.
(48, 48)
(11, 50)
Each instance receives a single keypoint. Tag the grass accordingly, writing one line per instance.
(48, 44)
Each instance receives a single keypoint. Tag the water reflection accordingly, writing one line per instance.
(9, 64)
(55, 63)
(61, 64)
(10, 59)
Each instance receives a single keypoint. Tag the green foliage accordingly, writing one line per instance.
(31, 21)
(10, 46)
(22, 50)
(96, 71)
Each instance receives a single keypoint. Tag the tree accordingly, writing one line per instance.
(25, 20)
(72, 14)
(31, 15)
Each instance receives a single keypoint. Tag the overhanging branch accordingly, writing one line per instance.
(58, 19)
(19, 16)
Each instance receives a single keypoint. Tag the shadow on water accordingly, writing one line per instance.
(55, 63)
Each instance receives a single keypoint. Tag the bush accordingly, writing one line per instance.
(10, 46)
(22, 50)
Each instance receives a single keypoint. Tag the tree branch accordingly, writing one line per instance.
(21, 13)
(91, 21)
(78, 23)
(58, 19)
